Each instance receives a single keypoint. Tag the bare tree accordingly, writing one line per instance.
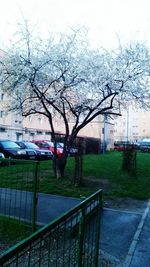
(66, 79)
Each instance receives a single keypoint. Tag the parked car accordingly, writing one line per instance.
(43, 144)
(136, 145)
(2, 163)
(30, 152)
(11, 150)
(72, 151)
(40, 154)
(2, 156)
(121, 145)
(144, 146)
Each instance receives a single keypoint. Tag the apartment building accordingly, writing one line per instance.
(133, 125)
(13, 126)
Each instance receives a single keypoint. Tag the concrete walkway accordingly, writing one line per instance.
(50, 207)
(139, 251)
(117, 232)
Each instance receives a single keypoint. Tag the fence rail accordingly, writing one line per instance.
(71, 240)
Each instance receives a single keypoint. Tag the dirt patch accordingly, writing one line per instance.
(103, 184)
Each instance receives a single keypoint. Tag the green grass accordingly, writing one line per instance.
(12, 231)
(104, 170)
(19, 175)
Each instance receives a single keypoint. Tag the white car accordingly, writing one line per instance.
(2, 156)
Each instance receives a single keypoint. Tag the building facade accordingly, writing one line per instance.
(36, 127)
(133, 125)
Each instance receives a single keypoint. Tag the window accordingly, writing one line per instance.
(30, 118)
(48, 133)
(2, 129)
(43, 145)
(1, 114)
(40, 120)
(2, 96)
(39, 132)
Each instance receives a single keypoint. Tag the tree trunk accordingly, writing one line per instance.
(129, 160)
(59, 167)
(78, 170)
(78, 173)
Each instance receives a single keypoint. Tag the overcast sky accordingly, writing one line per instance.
(105, 19)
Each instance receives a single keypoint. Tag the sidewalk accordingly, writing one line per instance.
(139, 252)
(50, 207)
(117, 232)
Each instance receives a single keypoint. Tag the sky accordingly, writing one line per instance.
(108, 21)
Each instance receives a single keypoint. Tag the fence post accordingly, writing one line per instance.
(97, 234)
(81, 237)
(34, 201)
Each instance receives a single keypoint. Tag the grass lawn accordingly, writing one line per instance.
(99, 171)
(12, 231)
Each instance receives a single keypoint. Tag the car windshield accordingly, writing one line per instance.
(50, 144)
(9, 144)
(44, 145)
(31, 145)
(60, 145)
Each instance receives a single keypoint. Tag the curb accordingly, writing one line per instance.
(136, 237)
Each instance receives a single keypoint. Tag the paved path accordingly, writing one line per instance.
(18, 204)
(117, 231)
(50, 207)
(139, 251)
(125, 236)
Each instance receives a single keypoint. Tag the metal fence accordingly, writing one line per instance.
(18, 189)
(69, 241)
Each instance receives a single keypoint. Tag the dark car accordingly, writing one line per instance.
(144, 146)
(11, 150)
(72, 151)
(30, 152)
(41, 154)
